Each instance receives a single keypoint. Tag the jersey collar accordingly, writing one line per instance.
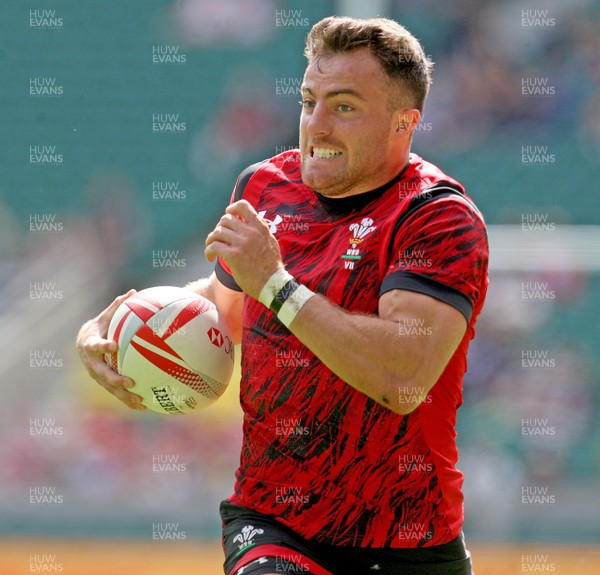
(346, 205)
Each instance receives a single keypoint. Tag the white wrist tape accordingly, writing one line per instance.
(284, 295)
(273, 286)
(293, 304)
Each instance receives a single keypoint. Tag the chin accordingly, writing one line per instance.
(316, 184)
(321, 183)
(329, 191)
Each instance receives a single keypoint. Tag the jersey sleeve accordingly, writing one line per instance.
(222, 270)
(225, 276)
(441, 251)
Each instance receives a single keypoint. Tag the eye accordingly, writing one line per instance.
(307, 104)
(345, 108)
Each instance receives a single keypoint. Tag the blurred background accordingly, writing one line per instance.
(124, 126)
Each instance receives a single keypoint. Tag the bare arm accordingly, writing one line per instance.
(229, 302)
(394, 358)
(377, 355)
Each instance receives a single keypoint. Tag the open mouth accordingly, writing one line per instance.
(324, 153)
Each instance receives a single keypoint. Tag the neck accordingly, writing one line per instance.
(387, 175)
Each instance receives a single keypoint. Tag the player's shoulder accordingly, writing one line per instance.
(282, 166)
(427, 175)
(435, 190)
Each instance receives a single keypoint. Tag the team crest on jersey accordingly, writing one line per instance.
(359, 233)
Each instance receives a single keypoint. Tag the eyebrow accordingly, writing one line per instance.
(334, 93)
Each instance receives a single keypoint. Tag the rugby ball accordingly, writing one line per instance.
(175, 346)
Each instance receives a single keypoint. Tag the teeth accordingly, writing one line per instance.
(325, 153)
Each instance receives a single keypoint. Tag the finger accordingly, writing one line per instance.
(112, 308)
(98, 346)
(131, 400)
(215, 249)
(115, 384)
(230, 222)
(242, 209)
(221, 238)
(104, 374)
(106, 315)
(223, 234)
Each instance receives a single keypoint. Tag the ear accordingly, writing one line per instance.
(407, 120)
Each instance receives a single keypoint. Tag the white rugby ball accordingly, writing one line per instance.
(175, 346)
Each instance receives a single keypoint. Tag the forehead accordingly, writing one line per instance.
(358, 70)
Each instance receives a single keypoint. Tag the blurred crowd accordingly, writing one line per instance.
(489, 57)
(100, 455)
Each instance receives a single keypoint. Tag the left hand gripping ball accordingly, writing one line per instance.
(175, 346)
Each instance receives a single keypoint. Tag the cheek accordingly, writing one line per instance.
(369, 153)
(375, 140)
(302, 132)
(303, 122)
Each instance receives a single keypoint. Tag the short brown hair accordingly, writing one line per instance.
(397, 50)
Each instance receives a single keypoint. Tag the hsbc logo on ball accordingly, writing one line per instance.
(218, 339)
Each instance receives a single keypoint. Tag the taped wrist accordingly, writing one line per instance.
(289, 298)
(273, 286)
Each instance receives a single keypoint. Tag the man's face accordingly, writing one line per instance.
(348, 131)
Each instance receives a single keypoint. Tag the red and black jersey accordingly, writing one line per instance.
(318, 455)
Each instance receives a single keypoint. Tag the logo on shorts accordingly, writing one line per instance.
(245, 537)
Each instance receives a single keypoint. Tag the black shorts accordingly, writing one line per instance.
(255, 544)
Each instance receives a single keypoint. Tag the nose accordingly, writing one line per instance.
(318, 121)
